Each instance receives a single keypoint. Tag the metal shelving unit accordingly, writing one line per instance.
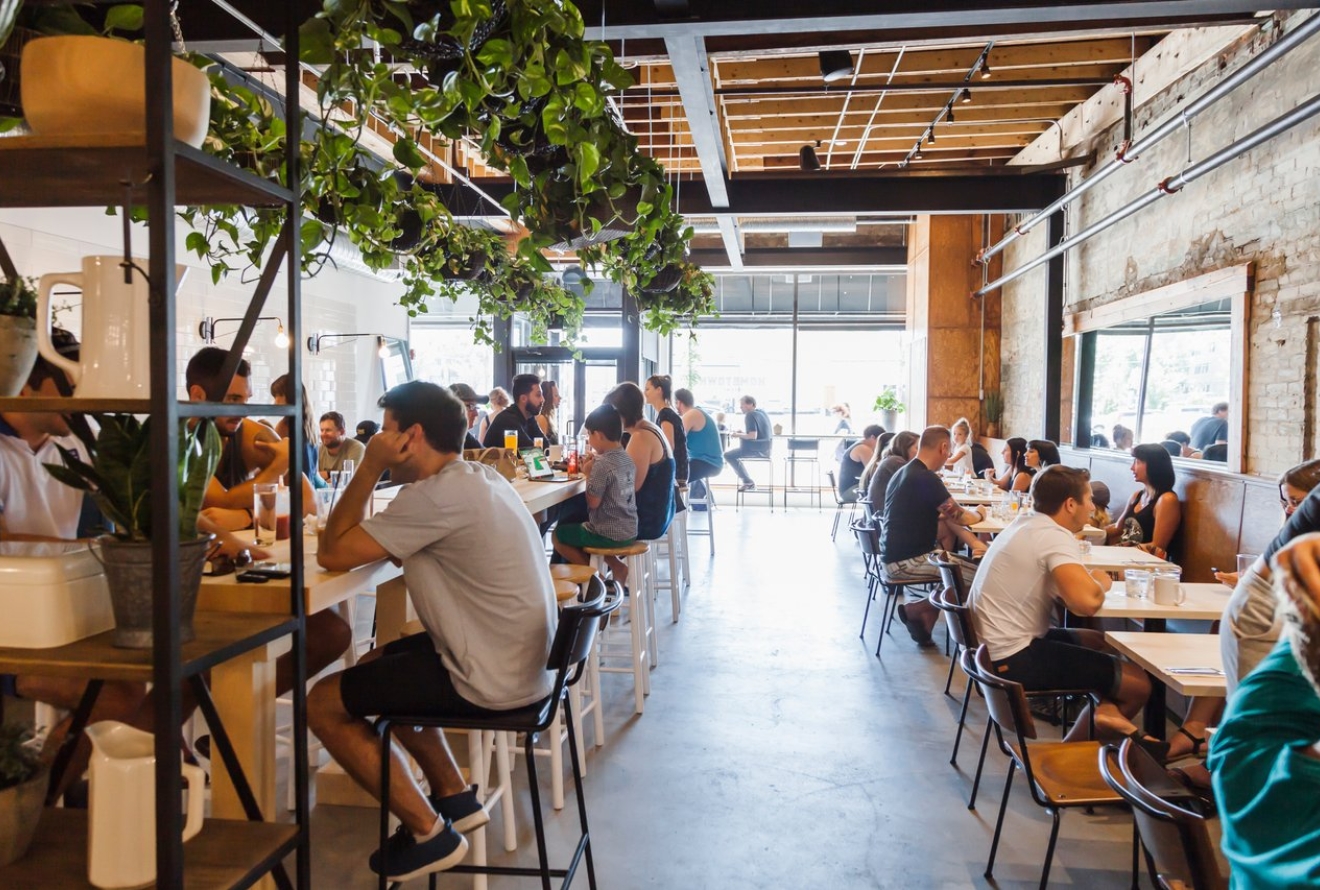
(161, 175)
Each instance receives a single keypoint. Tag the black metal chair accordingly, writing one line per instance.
(839, 504)
(1060, 775)
(1180, 850)
(869, 540)
(578, 626)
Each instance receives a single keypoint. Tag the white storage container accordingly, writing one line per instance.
(51, 594)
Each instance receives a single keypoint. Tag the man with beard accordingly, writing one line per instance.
(520, 416)
(487, 633)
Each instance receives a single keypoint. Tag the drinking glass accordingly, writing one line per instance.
(1244, 562)
(347, 467)
(1136, 582)
(511, 440)
(1084, 546)
(265, 513)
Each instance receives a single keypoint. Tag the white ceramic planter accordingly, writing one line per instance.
(94, 86)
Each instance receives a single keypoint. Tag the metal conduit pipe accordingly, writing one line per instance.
(1130, 153)
(1169, 186)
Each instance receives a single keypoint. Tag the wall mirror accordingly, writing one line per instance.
(1160, 362)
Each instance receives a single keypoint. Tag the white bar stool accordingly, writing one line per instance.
(644, 651)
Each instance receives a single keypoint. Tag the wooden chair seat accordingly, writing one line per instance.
(574, 573)
(565, 591)
(1066, 774)
(636, 548)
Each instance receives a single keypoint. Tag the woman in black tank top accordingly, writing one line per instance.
(1152, 515)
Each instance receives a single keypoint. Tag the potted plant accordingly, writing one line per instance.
(119, 478)
(889, 407)
(684, 304)
(994, 412)
(18, 333)
(23, 780)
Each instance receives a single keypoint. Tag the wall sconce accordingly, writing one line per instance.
(383, 342)
(206, 330)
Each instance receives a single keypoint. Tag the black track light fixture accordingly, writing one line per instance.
(949, 116)
(835, 64)
(985, 69)
(966, 96)
(916, 152)
(807, 159)
(930, 134)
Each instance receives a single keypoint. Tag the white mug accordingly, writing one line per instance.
(556, 453)
(1167, 590)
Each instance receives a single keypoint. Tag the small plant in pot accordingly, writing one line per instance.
(18, 333)
(889, 407)
(994, 412)
(119, 478)
(23, 780)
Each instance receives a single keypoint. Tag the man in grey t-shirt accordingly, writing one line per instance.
(488, 628)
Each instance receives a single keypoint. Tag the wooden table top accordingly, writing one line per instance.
(1116, 559)
(970, 500)
(993, 525)
(538, 496)
(1163, 654)
(1205, 602)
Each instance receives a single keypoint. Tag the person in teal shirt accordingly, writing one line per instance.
(1265, 757)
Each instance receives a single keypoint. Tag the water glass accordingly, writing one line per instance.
(1244, 562)
(1084, 546)
(347, 467)
(1136, 582)
(265, 511)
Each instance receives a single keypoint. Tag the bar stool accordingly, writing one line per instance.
(640, 616)
(674, 544)
(581, 576)
(839, 505)
(578, 625)
(768, 460)
(802, 451)
(707, 500)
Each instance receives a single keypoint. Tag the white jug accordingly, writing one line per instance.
(121, 837)
(114, 358)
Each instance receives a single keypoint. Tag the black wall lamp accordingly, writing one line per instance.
(206, 330)
(382, 341)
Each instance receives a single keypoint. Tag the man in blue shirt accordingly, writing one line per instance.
(755, 441)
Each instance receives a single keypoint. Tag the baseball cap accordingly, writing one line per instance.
(466, 393)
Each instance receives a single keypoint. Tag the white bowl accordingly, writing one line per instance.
(94, 86)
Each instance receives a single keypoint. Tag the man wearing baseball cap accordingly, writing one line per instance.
(468, 396)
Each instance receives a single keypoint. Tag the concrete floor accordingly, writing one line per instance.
(776, 750)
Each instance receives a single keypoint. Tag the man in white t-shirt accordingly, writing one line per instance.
(488, 625)
(1034, 562)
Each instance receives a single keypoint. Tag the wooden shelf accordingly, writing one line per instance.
(76, 405)
(220, 636)
(226, 853)
(92, 172)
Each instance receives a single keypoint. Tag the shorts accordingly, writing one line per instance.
(407, 678)
(1057, 661)
(576, 534)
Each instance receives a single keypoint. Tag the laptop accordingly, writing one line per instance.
(538, 466)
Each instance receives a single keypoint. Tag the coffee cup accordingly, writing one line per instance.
(1167, 590)
(556, 453)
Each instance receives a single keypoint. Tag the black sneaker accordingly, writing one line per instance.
(464, 809)
(918, 633)
(409, 857)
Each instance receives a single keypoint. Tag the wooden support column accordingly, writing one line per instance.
(951, 361)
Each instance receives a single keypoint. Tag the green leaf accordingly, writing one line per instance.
(316, 42)
(127, 17)
(407, 154)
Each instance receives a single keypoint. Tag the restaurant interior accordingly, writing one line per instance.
(1079, 225)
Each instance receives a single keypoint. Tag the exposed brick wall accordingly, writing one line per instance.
(1262, 208)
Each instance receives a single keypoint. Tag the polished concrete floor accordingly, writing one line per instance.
(777, 751)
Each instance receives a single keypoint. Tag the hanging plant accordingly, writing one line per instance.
(683, 306)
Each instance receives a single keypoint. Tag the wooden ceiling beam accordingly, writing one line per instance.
(877, 65)
(872, 160)
(895, 102)
(750, 135)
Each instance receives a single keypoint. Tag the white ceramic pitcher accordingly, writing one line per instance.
(114, 358)
(121, 837)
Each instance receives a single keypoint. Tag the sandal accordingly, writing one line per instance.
(1198, 742)
(1154, 747)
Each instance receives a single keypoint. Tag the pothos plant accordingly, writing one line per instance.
(690, 300)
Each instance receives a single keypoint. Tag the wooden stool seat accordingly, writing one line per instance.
(575, 574)
(636, 548)
(565, 590)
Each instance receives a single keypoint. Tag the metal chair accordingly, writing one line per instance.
(802, 452)
(1060, 775)
(1180, 850)
(578, 626)
(869, 540)
(838, 505)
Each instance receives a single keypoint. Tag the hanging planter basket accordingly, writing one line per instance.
(445, 48)
(618, 219)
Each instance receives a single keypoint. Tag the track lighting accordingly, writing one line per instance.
(985, 69)
(966, 96)
(835, 64)
(930, 134)
(807, 159)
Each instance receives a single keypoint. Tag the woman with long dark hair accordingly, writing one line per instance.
(653, 460)
(281, 393)
(1042, 453)
(1153, 513)
(1017, 475)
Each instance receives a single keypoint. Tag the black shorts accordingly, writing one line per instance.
(1057, 661)
(407, 678)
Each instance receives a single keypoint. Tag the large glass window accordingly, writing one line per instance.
(445, 354)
